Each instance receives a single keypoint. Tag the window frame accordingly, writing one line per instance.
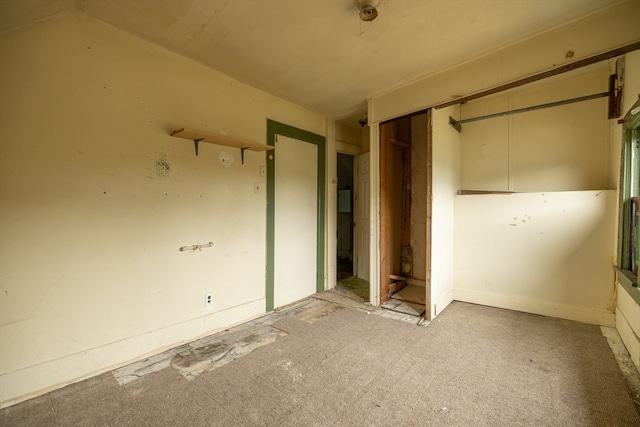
(629, 169)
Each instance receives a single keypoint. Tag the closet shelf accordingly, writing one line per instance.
(229, 141)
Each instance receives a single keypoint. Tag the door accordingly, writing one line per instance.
(362, 220)
(295, 262)
(296, 222)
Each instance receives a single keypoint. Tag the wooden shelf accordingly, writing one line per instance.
(229, 141)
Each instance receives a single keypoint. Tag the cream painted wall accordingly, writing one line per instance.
(365, 139)
(97, 199)
(544, 253)
(446, 182)
(628, 323)
(615, 27)
(347, 139)
(554, 149)
(509, 257)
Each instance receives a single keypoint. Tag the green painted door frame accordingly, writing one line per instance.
(275, 128)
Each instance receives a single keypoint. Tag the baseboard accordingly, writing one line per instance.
(36, 380)
(628, 337)
(441, 303)
(600, 317)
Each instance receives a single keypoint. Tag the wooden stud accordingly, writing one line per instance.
(406, 197)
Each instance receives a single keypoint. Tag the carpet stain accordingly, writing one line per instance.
(355, 285)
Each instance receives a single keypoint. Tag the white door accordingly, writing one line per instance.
(362, 222)
(295, 220)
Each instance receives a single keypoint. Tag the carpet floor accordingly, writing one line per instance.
(472, 366)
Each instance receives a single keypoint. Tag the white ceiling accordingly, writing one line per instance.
(317, 53)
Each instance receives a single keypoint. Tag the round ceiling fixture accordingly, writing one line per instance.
(368, 9)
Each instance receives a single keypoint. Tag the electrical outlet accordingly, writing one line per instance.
(257, 187)
(263, 171)
(208, 300)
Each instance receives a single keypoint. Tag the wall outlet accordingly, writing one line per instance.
(257, 187)
(263, 171)
(208, 300)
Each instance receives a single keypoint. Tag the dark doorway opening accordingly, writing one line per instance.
(345, 172)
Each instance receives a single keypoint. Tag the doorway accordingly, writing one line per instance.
(344, 219)
(352, 225)
(295, 214)
(405, 214)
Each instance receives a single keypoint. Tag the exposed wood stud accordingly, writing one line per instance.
(399, 143)
(406, 197)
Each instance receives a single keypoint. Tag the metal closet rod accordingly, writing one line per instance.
(457, 123)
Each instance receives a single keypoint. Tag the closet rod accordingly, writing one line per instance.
(457, 123)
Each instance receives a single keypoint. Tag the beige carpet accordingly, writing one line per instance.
(472, 366)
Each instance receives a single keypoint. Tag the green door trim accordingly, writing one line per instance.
(275, 128)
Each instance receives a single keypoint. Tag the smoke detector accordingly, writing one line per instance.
(368, 9)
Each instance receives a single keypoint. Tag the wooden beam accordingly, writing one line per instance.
(406, 197)
(554, 72)
(399, 143)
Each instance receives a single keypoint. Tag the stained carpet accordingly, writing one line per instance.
(472, 366)
(356, 286)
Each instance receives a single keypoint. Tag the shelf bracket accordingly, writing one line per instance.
(242, 154)
(195, 143)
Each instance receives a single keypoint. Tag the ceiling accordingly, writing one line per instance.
(318, 53)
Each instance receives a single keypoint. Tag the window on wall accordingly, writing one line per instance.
(629, 222)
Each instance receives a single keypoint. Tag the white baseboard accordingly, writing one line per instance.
(36, 380)
(594, 316)
(441, 303)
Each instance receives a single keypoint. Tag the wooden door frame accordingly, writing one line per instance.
(385, 206)
(429, 142)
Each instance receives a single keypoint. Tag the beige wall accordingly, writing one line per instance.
(348, 140)
(446, 182)
(547, 250)
(562, 148)
(628, 323)
(544, 253)
(97, 199)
